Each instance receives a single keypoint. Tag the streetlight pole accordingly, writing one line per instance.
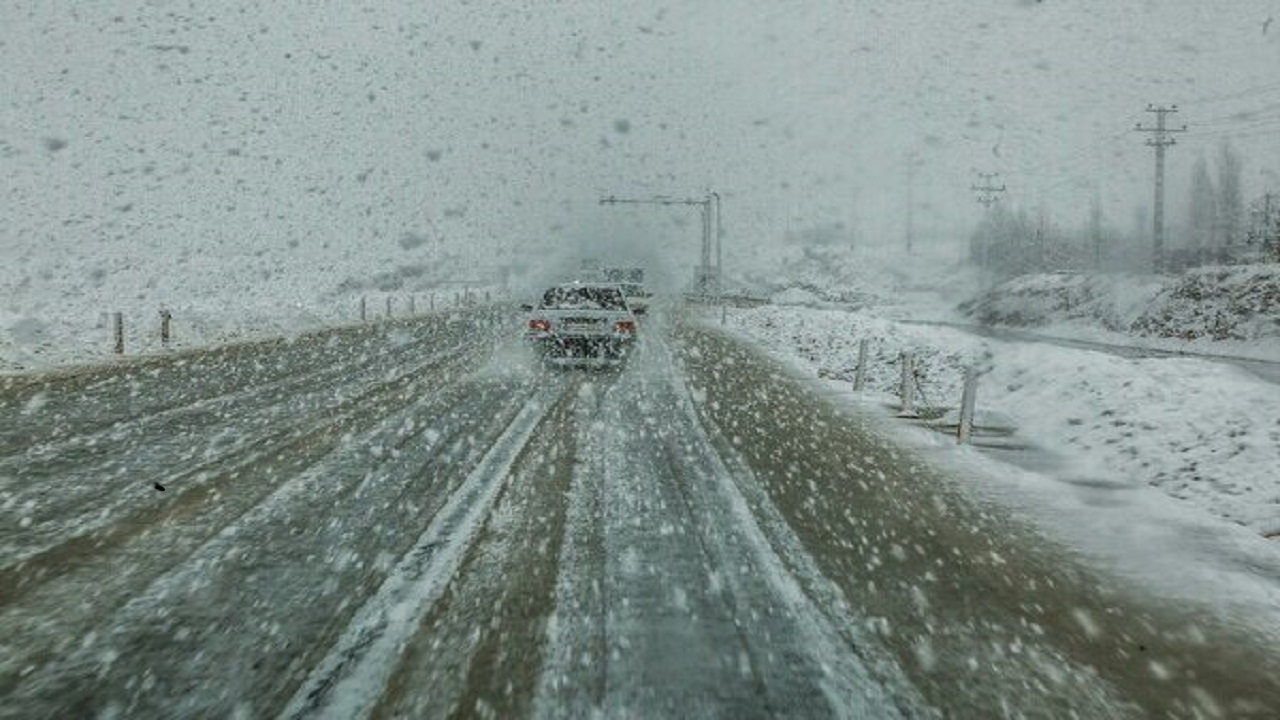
(709, 208)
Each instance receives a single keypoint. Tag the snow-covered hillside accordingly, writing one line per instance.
(1214, 310)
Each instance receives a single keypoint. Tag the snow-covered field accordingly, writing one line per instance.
(1162, 469)
(1198, 430)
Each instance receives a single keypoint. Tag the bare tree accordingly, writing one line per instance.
(1202, 208)
(1230, 210)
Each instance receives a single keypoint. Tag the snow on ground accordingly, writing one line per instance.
(1211, 310)
(1199, 431)
(1162, 470)
(85, 336)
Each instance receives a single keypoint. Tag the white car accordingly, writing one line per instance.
(582, 323)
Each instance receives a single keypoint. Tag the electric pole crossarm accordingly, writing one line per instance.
(651, 201)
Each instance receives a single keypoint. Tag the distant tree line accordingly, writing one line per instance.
(1213, 226)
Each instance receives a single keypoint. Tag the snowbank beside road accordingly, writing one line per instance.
(30, 343)
(1199, 431)
(79, 333)
(1212, 310)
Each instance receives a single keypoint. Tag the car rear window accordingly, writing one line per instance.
(595, 298)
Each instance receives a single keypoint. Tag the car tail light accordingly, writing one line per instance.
(540, 325)
(624, 326)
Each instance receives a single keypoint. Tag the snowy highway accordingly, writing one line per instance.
(413, 519)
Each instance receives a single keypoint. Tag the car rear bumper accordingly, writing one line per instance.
(606, 347)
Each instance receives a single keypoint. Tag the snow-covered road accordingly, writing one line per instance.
(414, 520)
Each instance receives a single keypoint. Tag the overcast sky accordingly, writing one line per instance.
(186, 132)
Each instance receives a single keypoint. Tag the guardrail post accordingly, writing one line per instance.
(117, 323)
(860, 373)
(165, 318)
(968, 401)
(907, 387)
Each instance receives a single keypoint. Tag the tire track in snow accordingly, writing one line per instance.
(53, 402)
(122, 518)
(981, 612)
(184, 611)
(351, 679)
(77, 507)
(670, 598)
(572, 680)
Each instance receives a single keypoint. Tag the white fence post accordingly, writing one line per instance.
(860, 373)
(117, 322)
(968, 401)
(908, 386)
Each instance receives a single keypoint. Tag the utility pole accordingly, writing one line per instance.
(707, 279)
(913, 163)
(1095, 227)
(719, 235)
(988, 195)
(1160, 139)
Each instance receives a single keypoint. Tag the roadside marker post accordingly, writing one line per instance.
(363, 311)
(388, 307)
(117, 321)
(907, 388)
(968, 401)
(166, 318)
(860, 373)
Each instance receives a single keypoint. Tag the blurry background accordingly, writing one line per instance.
(201, 155)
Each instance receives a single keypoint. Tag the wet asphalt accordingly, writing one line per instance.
(415, 519)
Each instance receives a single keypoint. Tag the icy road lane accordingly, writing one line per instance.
(413, 520)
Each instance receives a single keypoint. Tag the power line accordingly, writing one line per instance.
(1255, 91)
